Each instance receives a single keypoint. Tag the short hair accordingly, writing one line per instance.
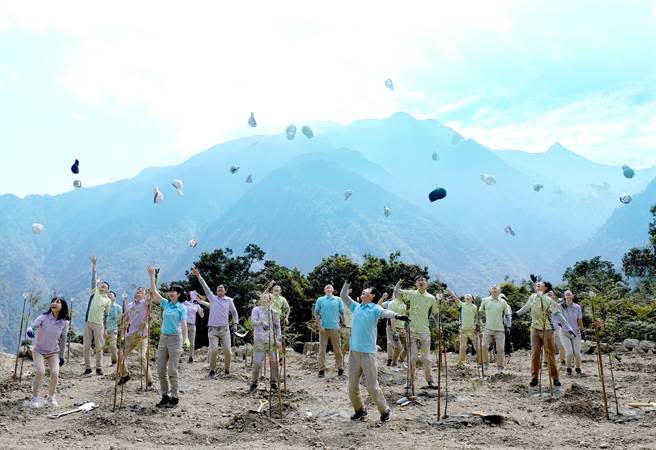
(181, 292)
(547, 286)
(419, 277)
(104, 282)
(111, 292)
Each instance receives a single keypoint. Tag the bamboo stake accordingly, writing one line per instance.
(612, 380)
(546, 347)
(20, 334)
(148, 316)
(410, 380)
(70, 331)
(446, 386)
(600, 364)
(274, 357)
(480, 341)
(124, 329)
(29, 316)
(439, 359)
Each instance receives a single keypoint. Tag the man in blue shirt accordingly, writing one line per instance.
(362, 359)
(329, 313)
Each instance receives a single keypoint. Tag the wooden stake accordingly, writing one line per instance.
(600, 364)
(20, 335)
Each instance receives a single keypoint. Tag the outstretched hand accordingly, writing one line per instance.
(195, 272)
(403, 318)
(93, 260)
(150, 269)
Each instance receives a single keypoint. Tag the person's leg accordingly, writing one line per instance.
(565, 342)
(129, 347)
(99, 341)
(337, 347)
(550, 347)
(415, 355)
(576, 350)
(39, 372)
(147, 370)
(390, 342)
(112, 337)
(53, 365)
(213, 337)
(273, 364)
(404, 345)
(500, 339)
(487, 339)
(536, 352)
(355, 370)
(323, 346)
(462, 350)
(226, 346)
(346, 338)
(562, 351)
(258, 360)
(370, 372)
(425, 356)
(397, 347)
(88, 335)
(175, 350)
(162, 362)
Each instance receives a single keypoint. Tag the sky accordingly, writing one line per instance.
(127, 85)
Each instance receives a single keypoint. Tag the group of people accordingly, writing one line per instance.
(407, 316)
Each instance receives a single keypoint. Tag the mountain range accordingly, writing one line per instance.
(295, 210)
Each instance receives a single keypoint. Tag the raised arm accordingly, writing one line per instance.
(383, 297)
(203, 284)
(397, 290)
(524, 308)
(454, 297)
(93, 271)
(155, 296)
(344, 295)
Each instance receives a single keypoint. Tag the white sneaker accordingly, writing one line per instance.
(52, 402)
(36, 402)
(405, 365)
(499, 370)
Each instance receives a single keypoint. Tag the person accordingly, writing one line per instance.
(95, 325)
(136, 338)
(397, 343)
(541, 307)
(362, 359)
(420, 304)
(174, 326)
(279, 304)
(468, 319)
(329, 313)
(493, 308)
(507, 324)
(113, 319)
(557, 329)
(571, 344)
(345, 331)
(266, 334)
(193, 309)
(50, 330)
(218, 326)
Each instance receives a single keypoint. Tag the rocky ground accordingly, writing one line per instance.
(316, 411)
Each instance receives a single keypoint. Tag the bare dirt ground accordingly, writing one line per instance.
(316, 411)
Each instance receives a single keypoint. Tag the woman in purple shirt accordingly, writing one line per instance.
(50, 329)
(574, 316)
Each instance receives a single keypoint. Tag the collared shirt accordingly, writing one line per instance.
(192, 311)
(137, 313)
(541, 307)
(98, 307)
(572, 315)
(364, 330)
(495, 309)
(260, 316)
(279, 304)
(220, 308)
(468, 316)
(51, 334)
(114, 316)
(172, 315)
(420, 307)
(398, 307)
(329, 309)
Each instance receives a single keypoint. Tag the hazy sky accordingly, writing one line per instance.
(127, 85)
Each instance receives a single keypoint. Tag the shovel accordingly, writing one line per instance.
(643, 405)
(86, 408)
(495, 419)
(263, 403)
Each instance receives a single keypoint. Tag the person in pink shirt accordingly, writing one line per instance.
(49, 331)
(193, 309)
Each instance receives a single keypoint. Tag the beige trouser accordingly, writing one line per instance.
(334, 336)
(346, 339)
(396, 350)
(139, 343)
(499, 337)
(464, 335)
(222, 334)
(562, 351)
(93, 331)
(260, 350)
(572, 346)
(539, 339)
(112, 337)
(364, 365)
(423, 354)
(191, 335)
(40, 371)
(168, 359)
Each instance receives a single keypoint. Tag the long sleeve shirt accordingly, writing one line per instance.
(261, 318)
(220, 308)
(51, 335)
(541, 308)
(136, 314)
(493, 310)
(420, 306)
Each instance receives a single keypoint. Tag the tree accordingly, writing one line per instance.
(594, 273)
(641, 262)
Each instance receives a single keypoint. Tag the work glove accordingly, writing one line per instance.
(187, 344)
(265, 326)
(30, 333)
(571, 333)
(403, 318)
(515, 315)
(396, 337)
(507, 331)
(61, 362)
(234, 328)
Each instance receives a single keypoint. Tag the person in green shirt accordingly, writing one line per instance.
(541, 308)
(421, 305)
(280, 305)
(95, 326)
(397, 344)
(493, 309)
(468, 318)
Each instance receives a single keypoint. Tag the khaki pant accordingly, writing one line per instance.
(334, 336)
(260, 350)
(346, 339)
(191, 335)
(216, 335)
(561, 349)
(364, 365)
(572, 346)
(396, 350)
(423, 354)
(539, 339)
(110, 343)
(40, 371)
(139, 343)
(168, 359)
(499, 337)
(93, 331)
(464, 336)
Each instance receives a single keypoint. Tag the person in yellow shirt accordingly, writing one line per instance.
(493, 309)
(468, 318)
(421, 305)
(95, 326)
(397, 343)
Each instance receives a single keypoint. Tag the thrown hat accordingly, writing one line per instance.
(625, 198)
(234, 169)
(307, 131)
(347, 194)
(509, 230)
(488, 179)
(627, 171)
(251, 121)
(249, 179)
(37, 228)
(537, 187)
(436, 157)
(178, 185)
(77, 184)
(290, 132)
(437, 194)
(387, 211)
(75, 168)
(389, 84)
(158, 197)
(193, 243)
